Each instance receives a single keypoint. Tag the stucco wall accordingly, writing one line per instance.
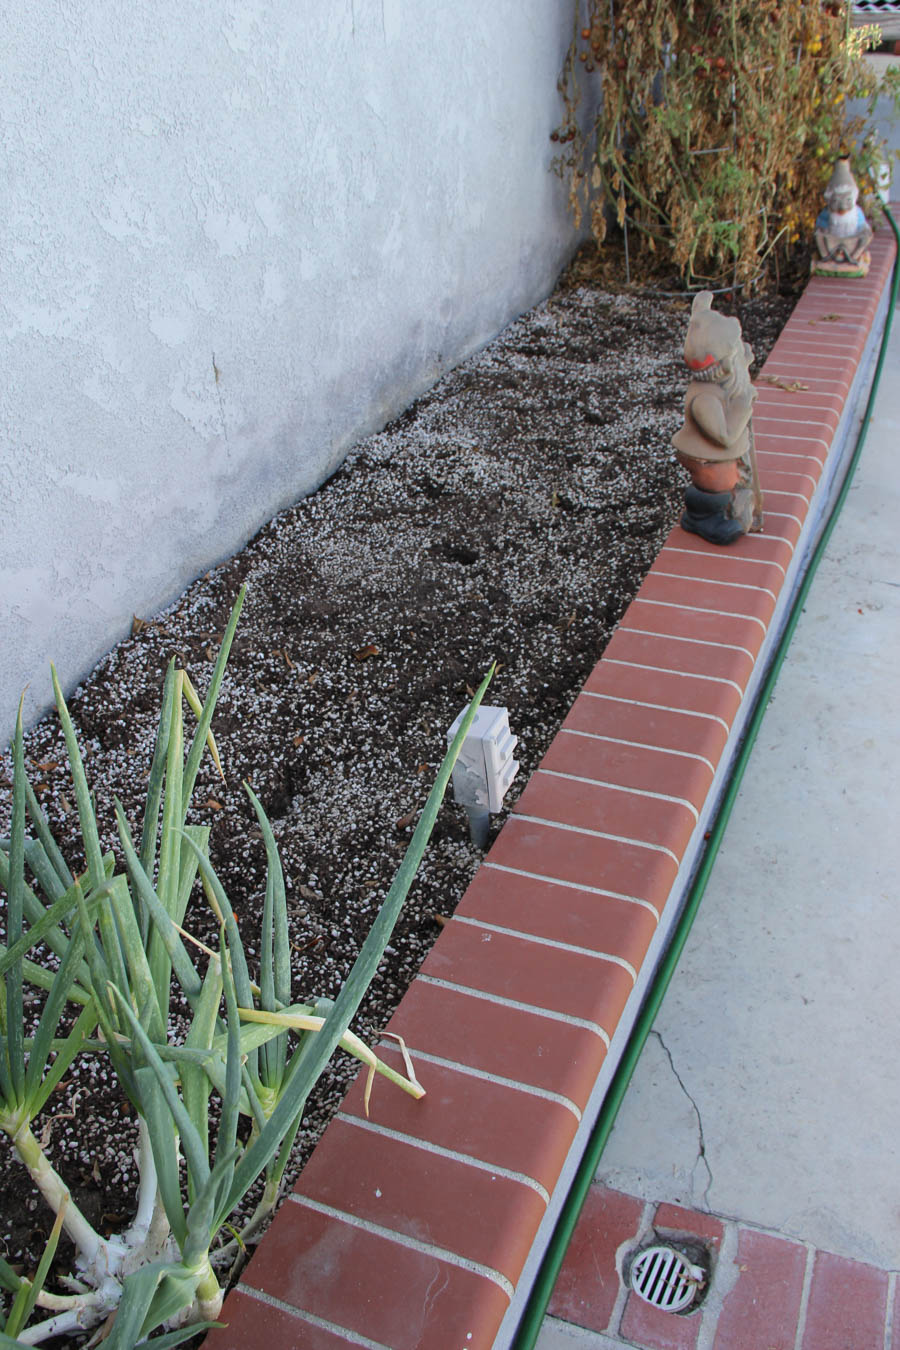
(240, 234)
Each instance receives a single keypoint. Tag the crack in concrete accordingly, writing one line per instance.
(701, 1155)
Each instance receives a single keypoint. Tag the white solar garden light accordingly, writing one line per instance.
(485, 768)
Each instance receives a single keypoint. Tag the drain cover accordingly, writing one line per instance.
(664, 1277)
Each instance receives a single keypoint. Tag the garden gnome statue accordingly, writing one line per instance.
(715, 444)
(842, 231)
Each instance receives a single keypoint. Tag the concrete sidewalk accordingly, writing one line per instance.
(768, 1092)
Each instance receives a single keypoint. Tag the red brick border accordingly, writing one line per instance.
(411, 1229)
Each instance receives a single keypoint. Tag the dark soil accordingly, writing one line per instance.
(508, 515)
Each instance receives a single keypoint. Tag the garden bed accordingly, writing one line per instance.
(510, 514)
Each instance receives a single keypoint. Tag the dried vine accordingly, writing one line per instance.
(717, 126)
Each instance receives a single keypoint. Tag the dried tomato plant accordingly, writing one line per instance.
(717, 126)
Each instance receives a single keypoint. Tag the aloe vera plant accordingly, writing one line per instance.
(120, 948)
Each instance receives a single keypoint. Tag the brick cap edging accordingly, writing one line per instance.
(512, 1018)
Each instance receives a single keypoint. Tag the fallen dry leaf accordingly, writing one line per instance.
(405, 821)
(364, 653)
(792, 388)
(309, 945)
(213, 804)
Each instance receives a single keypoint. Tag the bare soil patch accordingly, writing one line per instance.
(509, 514)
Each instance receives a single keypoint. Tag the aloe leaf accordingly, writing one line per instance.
(15, 1051)
(293, 1097)
(194, 1152)
(212, 694)
(20, 1313)
(164, 927)
(83, 802)
(155, 781)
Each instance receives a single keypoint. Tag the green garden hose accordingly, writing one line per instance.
(536, 1307)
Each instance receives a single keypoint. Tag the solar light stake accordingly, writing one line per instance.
(485, 768)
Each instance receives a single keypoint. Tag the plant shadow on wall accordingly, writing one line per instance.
(717, 127)
(111, 946)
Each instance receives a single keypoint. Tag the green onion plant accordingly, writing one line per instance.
(118, 949)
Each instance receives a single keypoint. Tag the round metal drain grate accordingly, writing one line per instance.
(665, 1278)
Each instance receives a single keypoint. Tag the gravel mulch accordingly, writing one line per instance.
(509, 515)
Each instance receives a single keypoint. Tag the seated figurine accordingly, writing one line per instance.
(715, 444)
(842, 232)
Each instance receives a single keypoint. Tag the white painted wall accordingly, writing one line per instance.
(238, 236)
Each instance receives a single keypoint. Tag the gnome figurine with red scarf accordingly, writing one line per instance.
(715, 444)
